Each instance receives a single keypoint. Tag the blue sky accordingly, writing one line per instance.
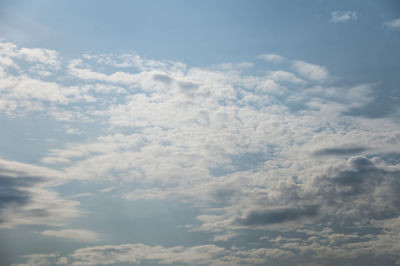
(199, 133)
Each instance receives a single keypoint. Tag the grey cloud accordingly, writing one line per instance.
(223, 194)
(13, 192)
(275, 216)
(163, 79)
(25, 197)
(361, 177)
(188, 86)
(339, 151)
(364, 187)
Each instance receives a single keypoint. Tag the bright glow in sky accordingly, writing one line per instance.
(200, 132)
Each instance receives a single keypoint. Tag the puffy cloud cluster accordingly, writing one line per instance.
(272, 152)
(178, 255)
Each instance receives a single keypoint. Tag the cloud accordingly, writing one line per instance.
(44, 57)
(27, 85)
(312, 72)
(178, 255)
(283, 76)
(363, 188)
(43, 259)
(271, 149)
(137, 253)
(274, 216)
(26, 199)
(73, 234)
(343, 16)
(163, 78)
(13, 193)
(272, 58)
(340, 151)
(394, 24)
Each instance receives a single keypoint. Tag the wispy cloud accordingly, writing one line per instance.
(73, 234)
(274, 58)
(25, 197)
(343, 16)
(394, 24)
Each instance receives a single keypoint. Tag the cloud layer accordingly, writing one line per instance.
(277, 152)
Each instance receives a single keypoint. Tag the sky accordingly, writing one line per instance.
(200, 132)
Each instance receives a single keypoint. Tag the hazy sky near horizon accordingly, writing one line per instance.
(200, 132)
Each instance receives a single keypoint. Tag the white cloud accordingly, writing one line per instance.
(43, 56)
(343, 16)
(283, 76)
(86, 194)
(312, 72)
(394, 24)
(73, 131)
(73, 234)
(274, 58)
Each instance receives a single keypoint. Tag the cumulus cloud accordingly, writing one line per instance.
(25, 90)
(271, 151)
(371, 188)
(137, 253)
(178, 255)
(44, 57)
(343, 16)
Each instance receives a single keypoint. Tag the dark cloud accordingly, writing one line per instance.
(275, 216)
(13, 192)
(223, 194)
(10, 189)
(363, 187)
(340, 151)
(360, 189)
(163, 79)
(361, 177)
